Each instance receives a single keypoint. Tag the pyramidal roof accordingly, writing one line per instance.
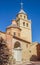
(22, 11)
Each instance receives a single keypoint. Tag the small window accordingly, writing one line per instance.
(20, 15)
(24, 17)
(14, 33)
(27, 24)
(23, 23)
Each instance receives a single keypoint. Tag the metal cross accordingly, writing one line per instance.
(21, 5)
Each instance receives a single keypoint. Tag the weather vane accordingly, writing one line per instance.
(21, 4)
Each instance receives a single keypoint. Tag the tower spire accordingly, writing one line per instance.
(21, 4)
(22, 11)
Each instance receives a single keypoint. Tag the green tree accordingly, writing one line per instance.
(4, 52)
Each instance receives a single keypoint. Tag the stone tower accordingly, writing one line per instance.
(24, 24)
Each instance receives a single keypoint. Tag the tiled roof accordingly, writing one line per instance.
(13, 26)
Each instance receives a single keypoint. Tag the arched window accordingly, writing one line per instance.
(27, 24)
(20, 15)
(23, 23)
(24, 17)
(17, 44)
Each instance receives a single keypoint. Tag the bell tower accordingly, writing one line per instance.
(24, 24)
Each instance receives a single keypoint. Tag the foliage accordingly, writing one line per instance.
(4, 52)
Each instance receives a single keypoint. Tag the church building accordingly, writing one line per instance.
(18, 36)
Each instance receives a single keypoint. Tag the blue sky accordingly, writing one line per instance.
(10, 8)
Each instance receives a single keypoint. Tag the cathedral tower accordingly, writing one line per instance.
(24, 24)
